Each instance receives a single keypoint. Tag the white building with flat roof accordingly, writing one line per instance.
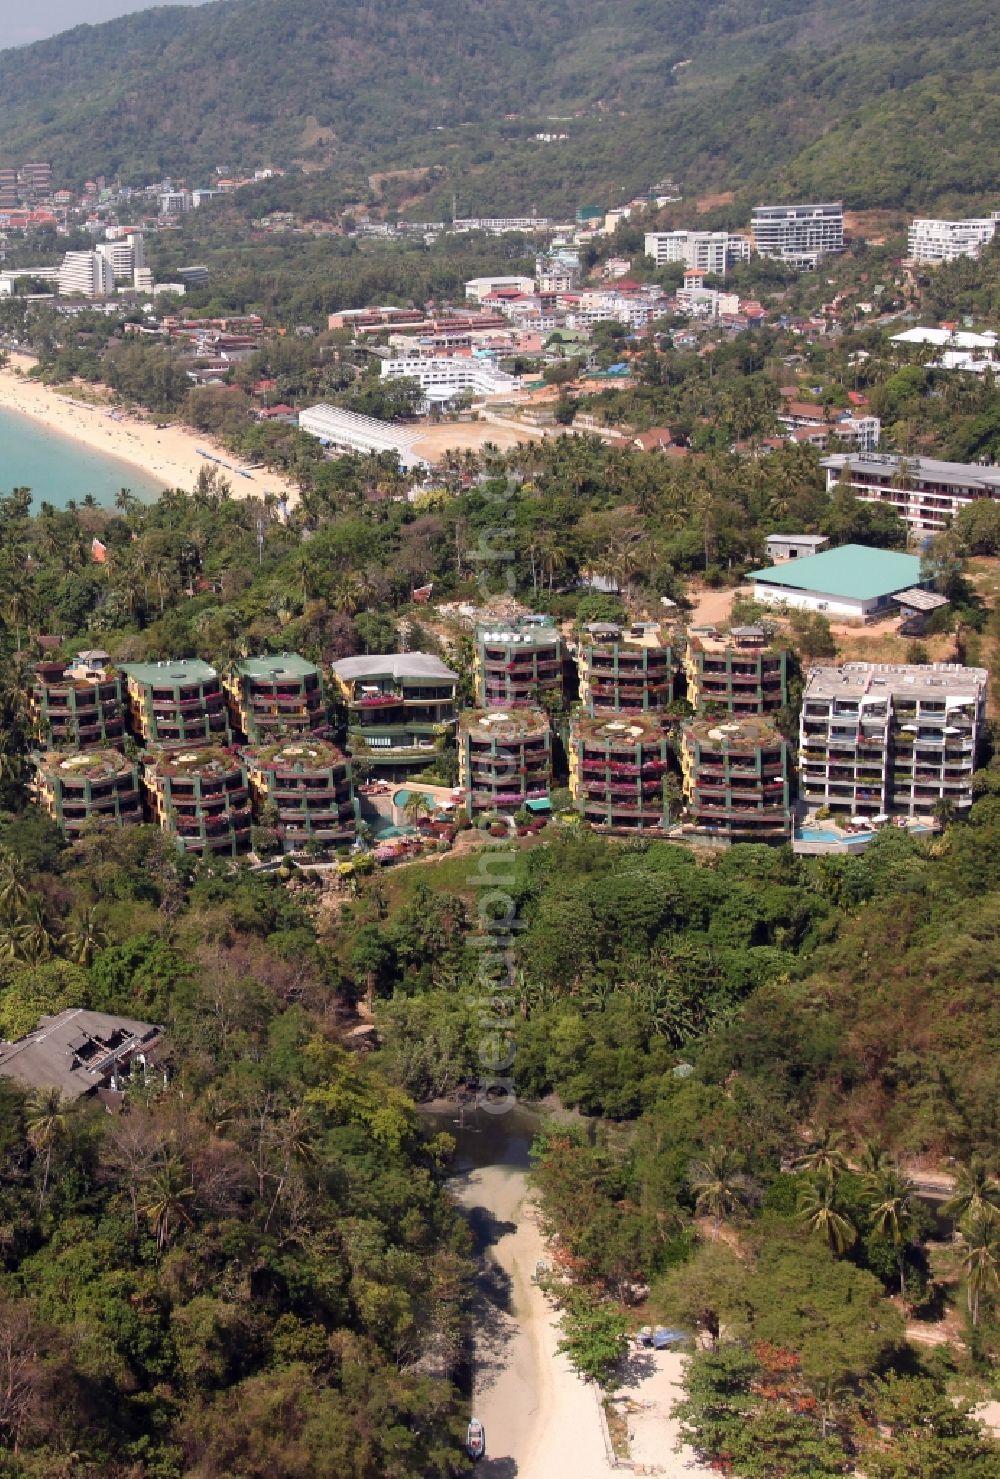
(86, 275)
(451, 373)
(478, 288)
(924, 491)
(345, 431)
(798, 235)
(932, 241)
(708, 251)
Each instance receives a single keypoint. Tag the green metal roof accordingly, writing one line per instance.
(854, 571)
(179, 670)
(278, 665)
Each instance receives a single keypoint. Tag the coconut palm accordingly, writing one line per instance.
(818, 1210)
(719, 1185)
(890, 1198)
(417, 808)
(824, 1154)
(976, 1194)
(14, 891)
(165, 1199)
(35, 940)
(83, 937)
(981, 1261)
(46, 1125)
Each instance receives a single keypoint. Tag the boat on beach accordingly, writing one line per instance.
(475, 1440)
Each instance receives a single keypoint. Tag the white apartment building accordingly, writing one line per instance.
(174, 202)
(9, 278)
(705, 251)
(931, 241)
(499, 225)
(454, 374)
(344, 431)
(86, 275)
(924, 491)
(126, 254)
(798, 235)
(478, 288)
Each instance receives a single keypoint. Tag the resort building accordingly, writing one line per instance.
(97, 785)
(444, 376)
(890, 739)
(303, 789)
(798, 235)
(518, 662)
(851, 581)
(633, 668)
(932, 241)
(275, 695)
(86, 275)
(400, 709)
(619, 772)
(925, 492)
(740, 671)
(176, 703)
(345, 431)
(704, 251)
(735, 779)
(200, 797)
(79, 1052)
(77, 705)
(504, 759)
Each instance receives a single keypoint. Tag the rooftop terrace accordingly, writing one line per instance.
(175, 672)
(508, 724)
(274, 666)
(92, 765)
(626, 730)
(857, 680)
(393, 665)
(196, 760)
(749, 733)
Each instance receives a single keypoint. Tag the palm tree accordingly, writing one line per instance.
(46, 1125)
(890, 1196)
(417, 807)
(14, 891)
(981, 1261)
(35, 941)
(83, 937)
(976, 1194)
(825, 1153)
(720, 1187)
(818, 1210)
(167, 1192)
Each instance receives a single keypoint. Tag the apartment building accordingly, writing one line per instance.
(924, 491)
(86, 275)
(890, 739)
(504, 759)
(740, 671)
(303, 788)
(280, 694)
(97, 785)
(451, 374)
(619, 772)
(78, 705)
(931, 241)
(798, 235)
(735, 778)
(705, 251)
(400, 709)
(518, 662)
(630, 669)
(126, 254)
(176, 703)
(200, 797)
(345, 431)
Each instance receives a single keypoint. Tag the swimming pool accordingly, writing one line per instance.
(823, 834)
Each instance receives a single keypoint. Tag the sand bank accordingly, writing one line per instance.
(169, 452)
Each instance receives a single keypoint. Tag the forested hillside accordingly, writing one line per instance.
(886, 105)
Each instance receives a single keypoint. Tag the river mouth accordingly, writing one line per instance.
(493, 1136)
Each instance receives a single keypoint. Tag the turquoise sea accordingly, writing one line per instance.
(58, 470)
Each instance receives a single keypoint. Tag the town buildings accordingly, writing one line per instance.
(619, 772)
(924, 491)
(86, 275)
(633, 668)
(345, 431)
(279, 694)
(798, 235)
(400, 709)
(931, 241)
(890, 739)
(80, 787)
(740, 671)
(735, 778)
(200, 797)
(303, 789)
(852, 581)
(708, 251)
(504, 758)
(76, 705)
(176, 703)
(519, 662)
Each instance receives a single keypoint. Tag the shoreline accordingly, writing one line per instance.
(167, 453)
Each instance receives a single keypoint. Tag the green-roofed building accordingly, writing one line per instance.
(176, 703)
(853, 581)
(275, 695)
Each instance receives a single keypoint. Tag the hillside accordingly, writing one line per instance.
(887, 106)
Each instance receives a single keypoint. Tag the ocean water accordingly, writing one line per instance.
(58, 469)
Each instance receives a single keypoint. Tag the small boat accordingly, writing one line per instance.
(475, 1440)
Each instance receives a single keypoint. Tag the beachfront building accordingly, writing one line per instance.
(518, 662)
(741, 671)
(932, 241)
(86, 275)
(504, 759)
(95, 785)
(400, 709)
(798, 235)
(303, 789)
(442, 377)
(200, 797)
(77, 705)
(176, 703)
(735, 777)
(852, 581)
(279, 694)
(924, 491)
(890, 739)
(619, 772)
(703, 251)
(626, 668)
(345, 431)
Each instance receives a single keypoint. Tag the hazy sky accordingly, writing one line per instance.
(46, 17)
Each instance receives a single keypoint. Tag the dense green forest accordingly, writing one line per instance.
(892, 106)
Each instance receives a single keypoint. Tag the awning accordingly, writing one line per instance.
(542, 804)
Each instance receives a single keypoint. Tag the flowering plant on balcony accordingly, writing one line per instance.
(377, 700)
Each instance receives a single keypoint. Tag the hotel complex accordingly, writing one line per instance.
(798, 235)
(926, 493)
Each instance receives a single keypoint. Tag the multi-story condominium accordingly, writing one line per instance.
(400, 709)
(890, 739)
(451, 373)
(76, 706)
(630, 668)
(504, 758)
(798, 235)
(98, 785)
(86, 275)
(735, 778)
(303, 788)
(347, 432)
(933, 241)
(923, 491)
(619, 773)
(126, 255)
(176, 703)
(279, 694)
(200, 797)
(707, 251)
(36, 180)
(518, 662)
(741, 671)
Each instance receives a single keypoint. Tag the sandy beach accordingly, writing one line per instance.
(169, 453)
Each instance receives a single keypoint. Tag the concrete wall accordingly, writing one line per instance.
(822, 601)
